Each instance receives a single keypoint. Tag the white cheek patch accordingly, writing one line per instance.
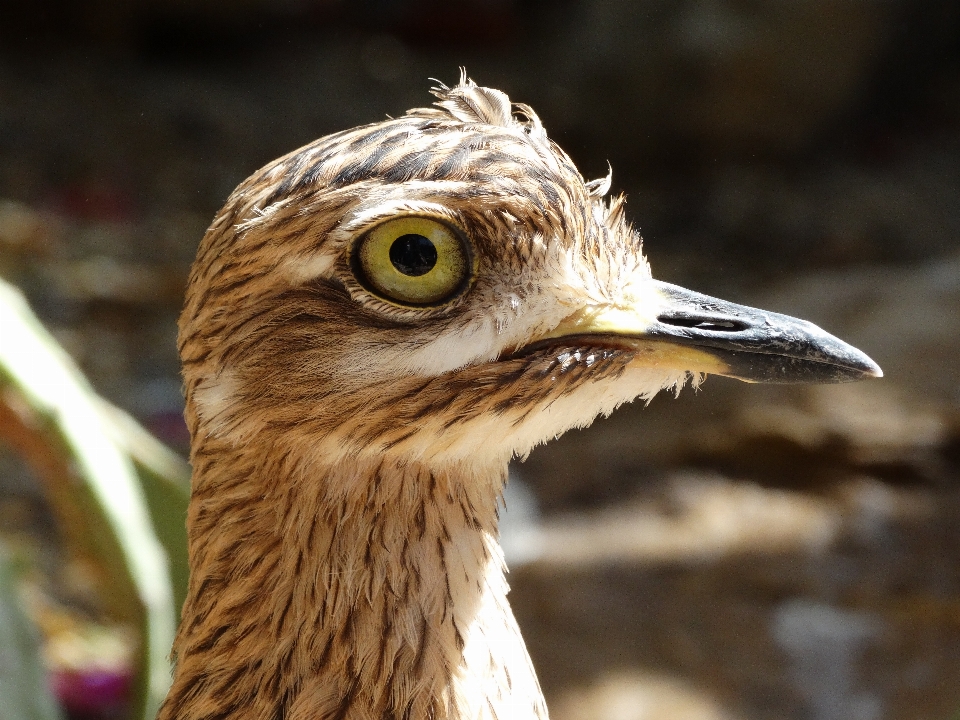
(454, 348)
(485, 336)
(301, 269)
(216, 399)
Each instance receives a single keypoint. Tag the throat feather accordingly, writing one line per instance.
(345, 594)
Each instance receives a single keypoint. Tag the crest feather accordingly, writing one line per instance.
(472, 103)
(601, 186)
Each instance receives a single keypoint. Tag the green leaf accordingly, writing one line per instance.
(23, 684)
(106, 499)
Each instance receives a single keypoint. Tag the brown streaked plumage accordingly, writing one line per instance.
(349, 444)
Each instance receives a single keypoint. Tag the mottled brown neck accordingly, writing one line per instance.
(322, 592)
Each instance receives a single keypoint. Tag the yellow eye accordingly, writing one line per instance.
(413, 260)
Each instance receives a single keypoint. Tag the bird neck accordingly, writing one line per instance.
(342, 592)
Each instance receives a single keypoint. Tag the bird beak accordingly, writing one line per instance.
(695, 332)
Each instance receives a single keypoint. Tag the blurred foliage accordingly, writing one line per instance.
(23, 686)
(119, 496)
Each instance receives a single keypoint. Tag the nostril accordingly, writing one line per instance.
(704, 323)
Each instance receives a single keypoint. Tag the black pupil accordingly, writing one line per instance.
(413, 254)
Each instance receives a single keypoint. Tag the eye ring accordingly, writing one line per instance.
(413, 261)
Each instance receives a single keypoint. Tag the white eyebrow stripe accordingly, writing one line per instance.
(362, 218)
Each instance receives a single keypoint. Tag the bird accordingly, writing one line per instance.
(374, 326)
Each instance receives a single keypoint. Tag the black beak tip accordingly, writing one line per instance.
(820, 359)
(866, 366)
(849, 363)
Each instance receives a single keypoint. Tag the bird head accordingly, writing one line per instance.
(445, 286)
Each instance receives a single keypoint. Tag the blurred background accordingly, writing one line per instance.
(741, 552)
